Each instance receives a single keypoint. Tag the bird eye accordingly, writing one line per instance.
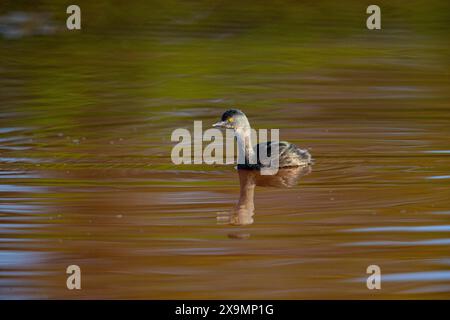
(230, 119)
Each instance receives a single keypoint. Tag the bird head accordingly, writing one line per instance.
(233, 119)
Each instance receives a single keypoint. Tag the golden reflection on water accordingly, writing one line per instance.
(249, 179)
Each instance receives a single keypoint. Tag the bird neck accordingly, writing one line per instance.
(246, 153)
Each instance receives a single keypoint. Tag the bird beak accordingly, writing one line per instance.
(220, 124)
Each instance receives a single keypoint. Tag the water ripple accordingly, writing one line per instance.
(440, 228)
(434, 242)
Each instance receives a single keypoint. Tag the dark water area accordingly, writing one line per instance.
(86, 175)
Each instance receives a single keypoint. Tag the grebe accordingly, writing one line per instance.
(289, 154)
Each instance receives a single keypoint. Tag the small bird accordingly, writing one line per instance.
(289, 154)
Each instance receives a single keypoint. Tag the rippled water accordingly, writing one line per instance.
(86, 176)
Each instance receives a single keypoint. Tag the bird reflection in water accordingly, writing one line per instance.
(243, 213)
